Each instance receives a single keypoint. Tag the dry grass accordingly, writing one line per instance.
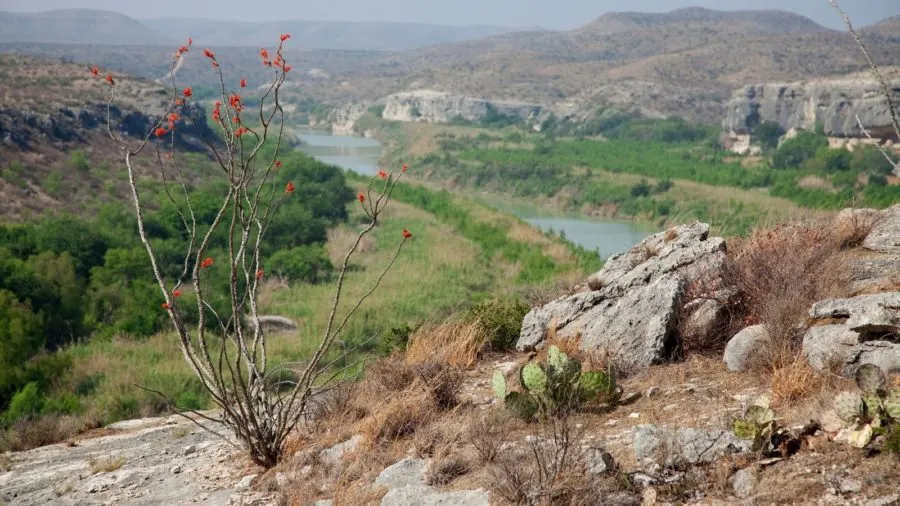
(27, 434)
(488, 432)
(454, 343)
(780, 273)
(106, 465)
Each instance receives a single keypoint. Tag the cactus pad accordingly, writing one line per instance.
(498, 382)
(592, 384)
(869, 378)
(892, 404)
(848, 406)
(534, 379)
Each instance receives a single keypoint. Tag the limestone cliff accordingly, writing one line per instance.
(835, 103)
(440, 107)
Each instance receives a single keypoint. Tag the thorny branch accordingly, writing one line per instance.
(231, 359)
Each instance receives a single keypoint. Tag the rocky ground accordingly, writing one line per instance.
(147, 461)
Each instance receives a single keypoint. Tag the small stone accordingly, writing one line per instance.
(176, 469)
(610, 423)
(282, 480)
(648, 497)
(599, 461)
(888, 500)
(190, 449)
(744, 347)
(408, 471)
(743, 483)
(654, 390)
(849, 486)
(634, 415)
(246, 481)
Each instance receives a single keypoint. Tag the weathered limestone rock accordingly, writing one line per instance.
(744, 347)
(885, 236)
(632, 309)
(861, 330)
(664, 445)
(408, 471)
(438, 107)
(273, 322)
(834, 103)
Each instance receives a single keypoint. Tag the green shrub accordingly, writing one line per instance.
(795, 151)
(767, 134)
(26, 403)
(309, 264)
(79, 160)
(501, 318)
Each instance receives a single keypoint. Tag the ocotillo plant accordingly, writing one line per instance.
(231, 361)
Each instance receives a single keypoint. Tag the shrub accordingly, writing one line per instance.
(308, 264)
(26, 403)
(501, 319)
(795, 151)
(767, 134)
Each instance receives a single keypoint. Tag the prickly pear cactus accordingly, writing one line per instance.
(873, 406)
(848, 406)
(870, 379)
(523, 405)
(534, 379)
(593, 384)
(757, 425)
(892, 404)
(498, 382)
(556, 359)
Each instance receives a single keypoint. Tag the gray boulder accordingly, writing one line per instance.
(885, 235)
(744, 347)
(408, 471)
(859, 330)
(632, 309)
(665, 446)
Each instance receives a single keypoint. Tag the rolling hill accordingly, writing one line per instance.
(77, 26)
(323, 34)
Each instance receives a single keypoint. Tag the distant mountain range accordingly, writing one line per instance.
(323, 34)
(685, 62)
(88, 26)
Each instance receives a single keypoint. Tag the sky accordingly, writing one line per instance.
(555, 14)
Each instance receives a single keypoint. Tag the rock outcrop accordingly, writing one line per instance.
(68, 126)
(634, 302)
(343, 119)
(439, 107)
(860, 330)
(834, 103)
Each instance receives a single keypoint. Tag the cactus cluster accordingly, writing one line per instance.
(556, 385)
(872, 411)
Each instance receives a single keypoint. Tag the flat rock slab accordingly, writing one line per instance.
(885, 235)
(140, 462)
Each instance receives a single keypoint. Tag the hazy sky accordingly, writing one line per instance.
(546, 13)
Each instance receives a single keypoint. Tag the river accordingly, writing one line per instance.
(361, 155)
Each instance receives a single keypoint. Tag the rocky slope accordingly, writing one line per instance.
(53, 132)
(834, 103)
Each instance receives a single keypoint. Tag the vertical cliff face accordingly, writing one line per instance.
(439, 107)
(833, 103)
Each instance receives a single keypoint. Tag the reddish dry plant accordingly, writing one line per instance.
(232, 364)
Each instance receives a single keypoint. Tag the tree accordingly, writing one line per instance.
(768, 133)
(795, 151)
(229, 354)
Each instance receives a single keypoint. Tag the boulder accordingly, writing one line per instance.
(273, 322)
(744, 347)
(666, 446)
(855, 331)
(885, 235)
(632, 308)
(408, 471)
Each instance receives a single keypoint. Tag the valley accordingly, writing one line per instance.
(648, 260)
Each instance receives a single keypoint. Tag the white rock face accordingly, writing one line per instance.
(835, 103)
(343, 120)
(439, 107)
